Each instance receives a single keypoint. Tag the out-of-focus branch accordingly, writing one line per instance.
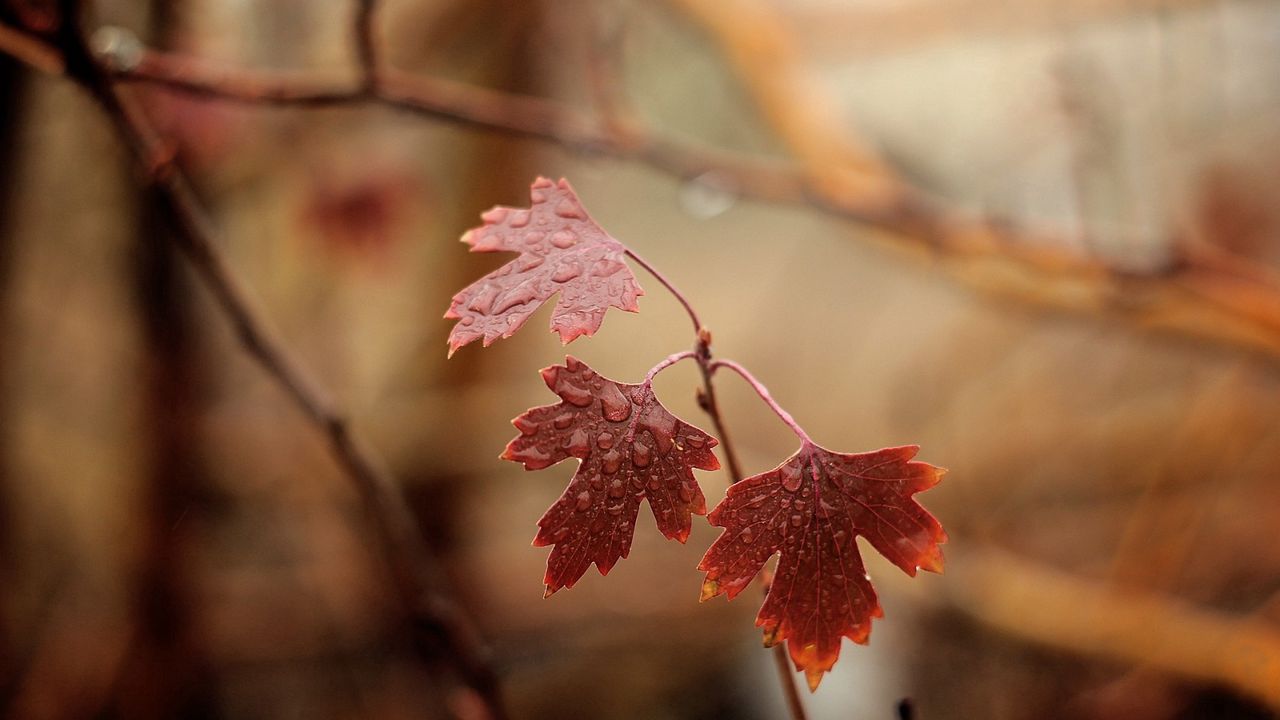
(366, 43)
(30, 49)
(753, 37)
(1200, 292)
(1048, 606)
(417, 580)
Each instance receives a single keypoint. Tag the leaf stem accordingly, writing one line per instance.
(693, 315)
(763, 392)
(670, 360)
(707, 400)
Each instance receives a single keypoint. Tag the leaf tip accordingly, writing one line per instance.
(548, 591)
(771, 635)
(710, 589)
(814, 677)
(932, 560)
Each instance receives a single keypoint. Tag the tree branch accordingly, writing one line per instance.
(1048, 606)
(1199, 292)
(417, 579)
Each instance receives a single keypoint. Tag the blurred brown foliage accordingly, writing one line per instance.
(177, 541)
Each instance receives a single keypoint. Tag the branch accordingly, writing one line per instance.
(417, 579)
(1051, 607)
(1200, 292)
(30, 49)
(366, 43)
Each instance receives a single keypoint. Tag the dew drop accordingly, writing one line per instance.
(800, 505)
(616, 406)
(610, 462)
(563, 421)
(662, 427)
(747, 535)
(467, 321)
(483, 303)
(641, 455)
(797, 521)
(574, 395)
(560, 534)
(605, 440)
(708, 195)
(695, 442)
(686, 492)
(617, 488)
(519, 218)
(568, 209)
(578, 444)
(597, 483)
(567, 272)
(583, 502)
(790, 477)
(522, 294)
(564, 239)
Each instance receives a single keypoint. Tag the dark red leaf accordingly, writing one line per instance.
(810, 508)
(629, 447)
(562, 250)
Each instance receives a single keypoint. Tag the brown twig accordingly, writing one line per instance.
(1048, 606)
(707, 401)
(1202, 292)
(366, 44)
(1199, 291)
(417, 580)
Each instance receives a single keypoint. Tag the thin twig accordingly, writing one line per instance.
(679, 296)
(1203, 292)
(707, 401)
(30, 49)
(366, 44)
(764, 394)
(417, 579)
(667, 362)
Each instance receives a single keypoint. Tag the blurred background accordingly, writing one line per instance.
(177, 541)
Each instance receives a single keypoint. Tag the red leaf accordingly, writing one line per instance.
(810, 508)
(562, 250)
(629, 447)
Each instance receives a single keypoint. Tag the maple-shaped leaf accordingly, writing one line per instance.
(629, 447)
(810, 508)
(562, 250)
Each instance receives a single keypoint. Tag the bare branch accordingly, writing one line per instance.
(1202, 292)
(1049, 606)
(30, 49)
(418, 582)
(366, 43)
